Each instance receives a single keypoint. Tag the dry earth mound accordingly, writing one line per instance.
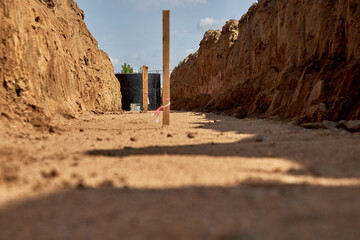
(50, 64)
(295, 59)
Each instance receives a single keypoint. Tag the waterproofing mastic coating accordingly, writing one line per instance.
(131, 87)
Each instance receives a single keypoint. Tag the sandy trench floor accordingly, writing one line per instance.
(207, 176)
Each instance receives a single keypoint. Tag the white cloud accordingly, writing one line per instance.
(211, 23)
(115, 61)
(189, 51)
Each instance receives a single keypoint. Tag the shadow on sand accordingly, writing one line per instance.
(310, 148)
(253, 210)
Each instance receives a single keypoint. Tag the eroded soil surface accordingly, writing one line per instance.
(207, 176)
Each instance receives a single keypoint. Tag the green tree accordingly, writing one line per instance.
(125, 68)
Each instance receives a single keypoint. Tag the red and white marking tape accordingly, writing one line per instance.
(156, 114)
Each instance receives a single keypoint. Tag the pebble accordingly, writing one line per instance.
(51, 129)
(11, 178)
(330, 125)
(354, 125)
(107, 184)
(50, 174)
(66, 184)
(191, 135)
(351, 126)
(80, 185)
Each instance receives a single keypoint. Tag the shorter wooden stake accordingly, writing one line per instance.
(145, 76)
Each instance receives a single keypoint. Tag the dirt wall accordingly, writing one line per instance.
(293, 59)
(50, 65)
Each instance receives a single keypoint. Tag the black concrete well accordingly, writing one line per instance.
(132, 91)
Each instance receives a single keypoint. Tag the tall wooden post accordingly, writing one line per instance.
(145, 77)
(166, 67)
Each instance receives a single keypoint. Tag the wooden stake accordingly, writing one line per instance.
(166, 67)
(145, 76)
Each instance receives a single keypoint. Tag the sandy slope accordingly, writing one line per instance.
(297, 60)
(50, 64)
(122, 176)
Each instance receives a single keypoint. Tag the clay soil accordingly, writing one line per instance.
(207, 176)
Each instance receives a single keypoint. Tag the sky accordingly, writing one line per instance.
(131, 30)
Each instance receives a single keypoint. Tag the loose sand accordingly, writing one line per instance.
(207, 176)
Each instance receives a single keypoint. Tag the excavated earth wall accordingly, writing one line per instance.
(294, 59)
(50, 64)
